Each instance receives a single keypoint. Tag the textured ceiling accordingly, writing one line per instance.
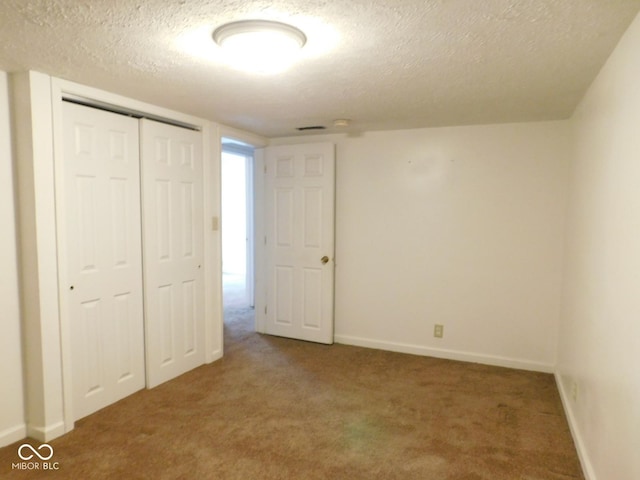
(390, 64)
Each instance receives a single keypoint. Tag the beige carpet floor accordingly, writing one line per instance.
(275, 408)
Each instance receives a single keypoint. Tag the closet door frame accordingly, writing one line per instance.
(211, 209)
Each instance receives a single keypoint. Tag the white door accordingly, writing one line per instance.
(299, 223)
(102, 227)
(173, 232)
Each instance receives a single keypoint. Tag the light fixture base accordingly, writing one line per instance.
(224, 32)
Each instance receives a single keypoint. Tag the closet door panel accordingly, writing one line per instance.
(173, 249)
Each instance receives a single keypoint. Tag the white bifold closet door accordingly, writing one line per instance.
(173, 224)
(104, 257)
(125, 179)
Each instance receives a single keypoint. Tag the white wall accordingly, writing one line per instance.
(12, 424)
(459, 226)
(599, 347)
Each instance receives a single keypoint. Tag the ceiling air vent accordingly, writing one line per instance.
(313, 127)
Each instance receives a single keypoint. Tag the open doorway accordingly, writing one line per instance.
(237, 228)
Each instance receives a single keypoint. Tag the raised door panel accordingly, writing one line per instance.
(90, 380)
(312, 298)
(123, 312)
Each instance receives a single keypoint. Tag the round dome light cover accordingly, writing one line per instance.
(259, 46)
(245, 27)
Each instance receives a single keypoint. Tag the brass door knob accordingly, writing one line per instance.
(324, 260)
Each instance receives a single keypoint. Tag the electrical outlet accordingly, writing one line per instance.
(574, 391)
(438, 330)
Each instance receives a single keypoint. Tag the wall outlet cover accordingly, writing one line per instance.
(438, 330)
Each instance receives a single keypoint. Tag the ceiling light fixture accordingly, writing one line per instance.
(260, 46)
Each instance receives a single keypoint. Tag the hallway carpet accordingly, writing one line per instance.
(274, 408)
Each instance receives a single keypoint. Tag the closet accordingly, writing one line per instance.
(132, 215)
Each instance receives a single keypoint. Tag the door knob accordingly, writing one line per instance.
(324, 260)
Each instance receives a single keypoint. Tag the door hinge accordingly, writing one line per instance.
(265, 168)
(265, 239)
(265, 309)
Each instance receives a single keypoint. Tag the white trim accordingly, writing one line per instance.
(13, 434)
(250, 276)
(45, 434)
(34, 142)
(587, 468)
(256, 141)
(214, 348)
(493, 360)
(246, 151)
(260, 279)
(61, 87)
(89, 102)
(63, 274)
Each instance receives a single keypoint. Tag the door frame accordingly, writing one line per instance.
(212, 258)
(248, 152)
(256, 183)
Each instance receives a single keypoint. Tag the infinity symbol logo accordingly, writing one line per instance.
(26, 446)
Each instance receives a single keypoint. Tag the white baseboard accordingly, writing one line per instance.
(45, 434)
(567, 404)
(13, 434)
(447, 354)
